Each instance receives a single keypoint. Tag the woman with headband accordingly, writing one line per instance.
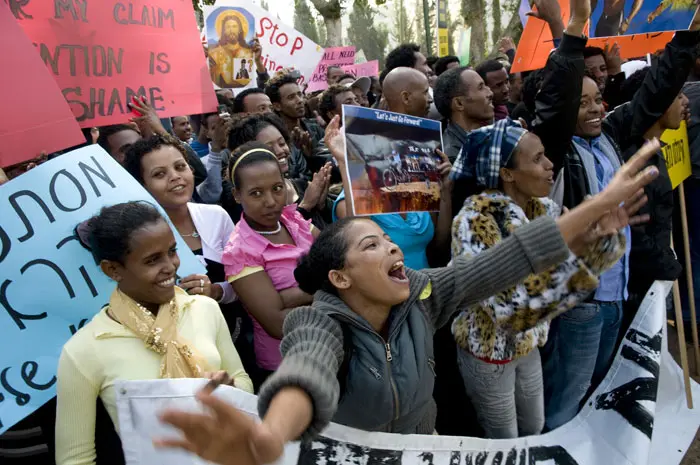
(498, 338)
(158, 163)
(264, 248)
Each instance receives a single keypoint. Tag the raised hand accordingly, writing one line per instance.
(612, 59)
(225, 435)
(149, 121)
(335, 141)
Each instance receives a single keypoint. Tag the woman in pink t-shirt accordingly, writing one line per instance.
(261, 254)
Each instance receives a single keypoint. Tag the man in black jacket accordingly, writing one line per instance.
(582, 341)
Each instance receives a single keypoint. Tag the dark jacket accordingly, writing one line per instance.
(611, 96)
(303, 166)
(557, 111)
(453, 139)
(389, 383)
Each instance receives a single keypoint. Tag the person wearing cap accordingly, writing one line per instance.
(332, 100)
(360, 87)
(497, 339)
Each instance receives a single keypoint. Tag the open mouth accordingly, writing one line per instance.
(178, 188)
(398, 273)
(170, 282)
(283, 162)
(593, 121)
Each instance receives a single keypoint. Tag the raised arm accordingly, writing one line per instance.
(661, 86)
(556, 107)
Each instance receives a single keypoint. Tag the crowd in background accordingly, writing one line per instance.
(512, 320)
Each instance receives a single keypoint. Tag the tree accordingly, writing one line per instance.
(420, 28)
(365, 34)
(304, 20)
(451, 28)
(198, 10)
(402, 30)
(332, 12)
(496, 7)
(473, 13)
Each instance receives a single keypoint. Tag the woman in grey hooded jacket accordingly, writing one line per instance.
(363, 292)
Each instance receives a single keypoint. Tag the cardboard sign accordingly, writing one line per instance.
(677, 154)
(283, 46)
(332, 56)
(229, 33)
(636, 416)
(36, 116)
(536, 43)
(369, 69)
(391, 161)
(611, 18)
(50, 285)
(103, 53)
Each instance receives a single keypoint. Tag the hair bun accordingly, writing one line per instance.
(307, 275)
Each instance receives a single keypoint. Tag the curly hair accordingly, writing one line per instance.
(136, 152)
(327, 103)
(247, 128)
(448, 86)
(273, 86)
(402, 56)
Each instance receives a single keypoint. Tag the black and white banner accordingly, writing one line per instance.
(636, 416)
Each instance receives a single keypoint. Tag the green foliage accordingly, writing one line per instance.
(402, 26)
(304, 20)
(365, 35)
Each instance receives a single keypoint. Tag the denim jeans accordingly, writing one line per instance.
(577, 355)
(508, 398)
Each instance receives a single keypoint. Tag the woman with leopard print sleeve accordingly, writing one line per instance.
(498, 338)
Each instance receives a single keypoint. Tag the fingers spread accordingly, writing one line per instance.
(640, 159)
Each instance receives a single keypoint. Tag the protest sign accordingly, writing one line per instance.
(636, 416)
(332, 56)
(283, 46)
(615, 18)
(443, 33)
(391, 161)
(104, 55)
(37, 117)
(677, 154)
(368, 69)
(50, 285)
(229, 33)
(536, 43)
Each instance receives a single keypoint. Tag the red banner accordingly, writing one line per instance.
(35, 117)
(103, 53)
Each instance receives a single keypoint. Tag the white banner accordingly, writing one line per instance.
(282, 45)
(641, 394)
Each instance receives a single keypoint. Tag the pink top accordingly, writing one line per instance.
(249, 252)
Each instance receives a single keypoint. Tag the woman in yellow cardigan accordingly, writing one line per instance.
(150, 329)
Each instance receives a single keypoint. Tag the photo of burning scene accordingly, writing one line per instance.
(391, 161)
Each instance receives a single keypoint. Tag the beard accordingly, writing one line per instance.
(229, 39)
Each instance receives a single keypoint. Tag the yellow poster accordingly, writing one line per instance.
(442, 28)
(677, 154)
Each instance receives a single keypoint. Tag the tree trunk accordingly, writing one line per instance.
(334, 32)
(514, 30)
(331, 12)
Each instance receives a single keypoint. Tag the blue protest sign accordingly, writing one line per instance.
(50, 285)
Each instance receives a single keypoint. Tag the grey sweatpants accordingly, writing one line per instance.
(509, 398)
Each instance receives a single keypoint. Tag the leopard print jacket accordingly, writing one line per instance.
(514, 322)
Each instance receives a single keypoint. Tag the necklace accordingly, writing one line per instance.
(270, 233)
(194, 234)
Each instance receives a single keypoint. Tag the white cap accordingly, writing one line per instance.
(363, 82)
(632, 67)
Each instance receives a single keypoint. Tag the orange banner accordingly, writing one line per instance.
(536, 43)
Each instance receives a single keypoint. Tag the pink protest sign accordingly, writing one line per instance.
(332, 56)
(369, 69)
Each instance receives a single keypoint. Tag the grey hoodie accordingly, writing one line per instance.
(390, 383)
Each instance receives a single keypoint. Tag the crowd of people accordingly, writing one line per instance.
(495, 317)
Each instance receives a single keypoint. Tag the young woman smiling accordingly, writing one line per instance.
(262, 253)
(159, 164)
(376, 318)
(150, 329)
(498, 338)
(311, 197)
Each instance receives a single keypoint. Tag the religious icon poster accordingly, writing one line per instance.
(230, 32)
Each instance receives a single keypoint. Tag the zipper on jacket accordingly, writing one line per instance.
(389, 357)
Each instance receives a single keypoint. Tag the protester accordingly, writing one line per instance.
(204, 125)
(422, 236)
(333, 99)
(311, 197)
(368, 307)
(410, 56)
(263, 250)
(333, 74)
(446, 63)
(466, 102)
(182, 129)
(605, 66)
(495, 75)
(360, 87)
(505, 330)
(515, 82)
(288, 102)
(252, 100)
(117, 138)
(584, 165)
(135, 247)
